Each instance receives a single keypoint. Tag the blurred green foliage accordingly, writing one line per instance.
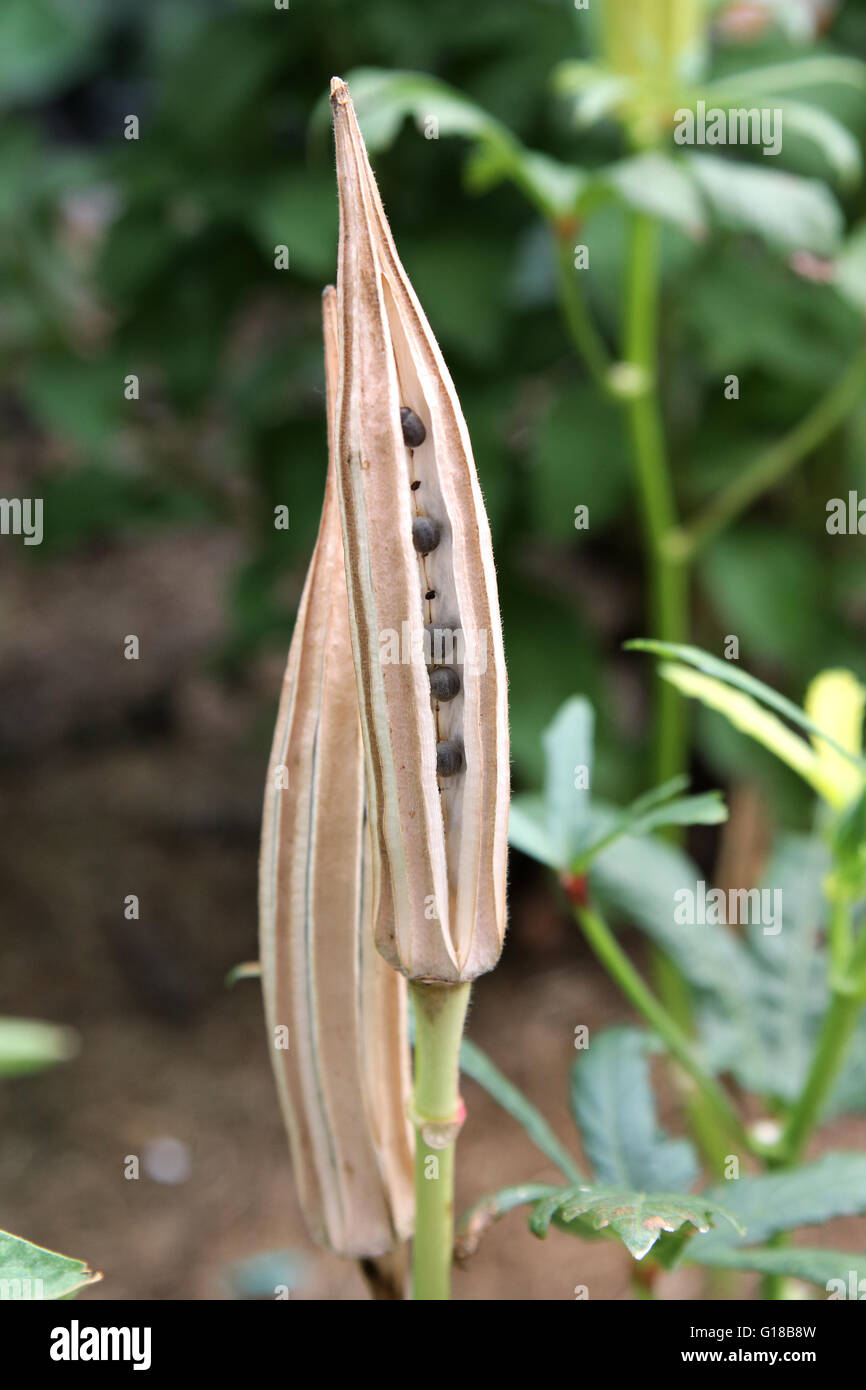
(156, 257)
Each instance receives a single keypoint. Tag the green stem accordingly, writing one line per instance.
(440, 1012)
(841, 934)
(774, 463)
(836, 1033)
(617, 963)
(668, 577)
(584, 333)
(669, 582)
(831, 1049)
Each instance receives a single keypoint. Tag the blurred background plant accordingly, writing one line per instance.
(155, 257)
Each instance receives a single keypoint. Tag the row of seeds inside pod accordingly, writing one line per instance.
(426, 534)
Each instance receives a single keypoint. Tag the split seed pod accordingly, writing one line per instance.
(418, 552)
(343, 1079)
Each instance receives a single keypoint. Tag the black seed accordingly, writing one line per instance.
(444, 683)
(425, 535)
(414, 432)
(449, 759)
(431, 593)
(441, 650)
(415, 486)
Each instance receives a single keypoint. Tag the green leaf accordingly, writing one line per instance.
(828, 135)
(246, 970)
(655, 809)
(475, 1063)
(83, 400)
(614, 1109)
(43, 43)
(568, 757)
(592, 92)
(384, 99)
(820, 70)
(490, 1208)
(849, 1093)
(638, 880)
(554, 188)
(528, 830)
(30, 1271)
(638, 1218)
(661, 185)
(833, 140)
(833, 1186)
(816, 1266)
(790, 991)
(740, 680)
(788, 212)
(750, 718)
(27, 1045)
(850, 275)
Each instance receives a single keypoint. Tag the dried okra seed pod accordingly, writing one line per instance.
(414, 432)
(425, 535)
(449, 759)
(441, 835)
(444, 683)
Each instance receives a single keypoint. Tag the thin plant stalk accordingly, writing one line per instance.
(620, 968)
(668, 578)
(581, 327)
(669, 590)
(439, 1012)
(831, 1049)
(668, 574)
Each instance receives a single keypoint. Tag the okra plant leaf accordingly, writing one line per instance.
(660, 184)
(840, 1272)
(27, 1045)
(850, 276)
(727, 673)
(568, 759)
(383, 99)
(639, 880)
(655, 809)
(565, 829)
(245, 970)
(29, 1271)
(823, 131)
(745, 714)
(829, 136)
(823, 69)
(530, 832)
(614, 1109)
(833, 1186)
(849, 1093)
(590, 91)
(638, 1218)
(787, 985)
(490, 1208)
(554, 187)
(475, 1063)
(787, 212)
(784, 990)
